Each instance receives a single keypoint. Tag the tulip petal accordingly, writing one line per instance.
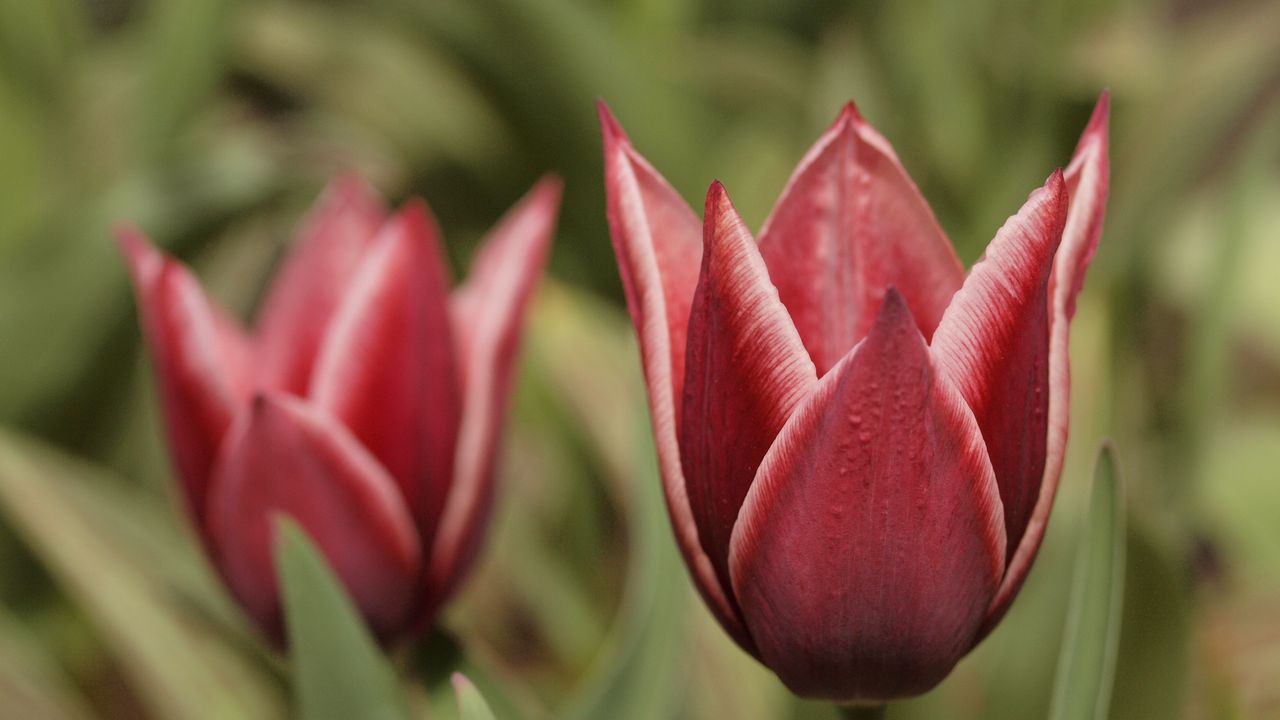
(850, 223)
(872, 540)
(386, 366)
(746, 371)
(313, 280)
(1087, 179)
(658, 243)
(283, 456)
(201, 362)
(993, 345)
(488, 314)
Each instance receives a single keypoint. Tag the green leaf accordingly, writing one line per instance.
(471, 704)
(178, 666)
(1086, 667)
(339, 672)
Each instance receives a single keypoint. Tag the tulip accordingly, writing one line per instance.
(366, 404)
(859, 443)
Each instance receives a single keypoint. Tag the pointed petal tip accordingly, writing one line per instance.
(143, 258)
(548, 191)
(849, 114)
(1101, 116)
(609, 125)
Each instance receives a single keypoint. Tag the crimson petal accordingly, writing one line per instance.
(201, 362)
(993, 345)
(850, 223)
(657, 241)
(285, 457)
(1087, 179)
(487, 314)
(313, 280)
(746, 371)
(386, 366)
(871, 542)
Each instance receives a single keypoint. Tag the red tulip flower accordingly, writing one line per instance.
(859, 442)
(366, 403)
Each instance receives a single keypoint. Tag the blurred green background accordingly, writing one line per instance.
(213, 124)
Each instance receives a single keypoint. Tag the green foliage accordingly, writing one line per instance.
(338, 669)
(213, 123)
(1086, 666)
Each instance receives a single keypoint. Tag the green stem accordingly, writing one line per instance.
(863, 712)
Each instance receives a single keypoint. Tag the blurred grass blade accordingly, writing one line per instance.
(338, 670)
(178, 668)
(638, 676)
(471, 704)
(32, 686)
(1086, 667)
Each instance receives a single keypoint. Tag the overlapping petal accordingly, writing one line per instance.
(487, 315)
(872, 540)
(993, 345)
(746, 370)
(658, 243)
(285, 457)
(850, 223)
(386, 365)
(1087, 182)
(313, 281)
(200, 358)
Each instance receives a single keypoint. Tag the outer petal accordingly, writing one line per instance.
(871, 542)
(1087, 182)
(282, 456)
(746, 371)
(657, 240)
(201, 361)
(386, 367)
(488, 314)
(993, 345)
(313, 280)
(849, 224)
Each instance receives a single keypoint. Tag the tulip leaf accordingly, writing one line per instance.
(177, 667)
(1086, 666)
(338, 670)
(471, 704)
(635, 677)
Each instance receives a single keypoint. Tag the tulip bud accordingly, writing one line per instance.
(859, 442)
(367, 402)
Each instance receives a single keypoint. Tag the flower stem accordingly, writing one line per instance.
(863, 712)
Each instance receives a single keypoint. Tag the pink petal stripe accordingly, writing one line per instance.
(658, 243)
(386, 369)
(200, 358)
(1087, 182)
(871, 542)
(311, 284)
(746, 371)
(993, 345)
(285, 457)
(488, 314)
(849, 224)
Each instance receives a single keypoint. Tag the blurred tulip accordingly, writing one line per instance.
(367, 403)
(860, 444)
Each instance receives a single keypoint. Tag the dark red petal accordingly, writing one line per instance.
(386, 366)
(488, 313)
(283, 457)
(849, 224)
(309, 287)
(201, 362)
(658, 243)
(1087, 183)
(871, 542)
(746, 371)
(993, 345)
